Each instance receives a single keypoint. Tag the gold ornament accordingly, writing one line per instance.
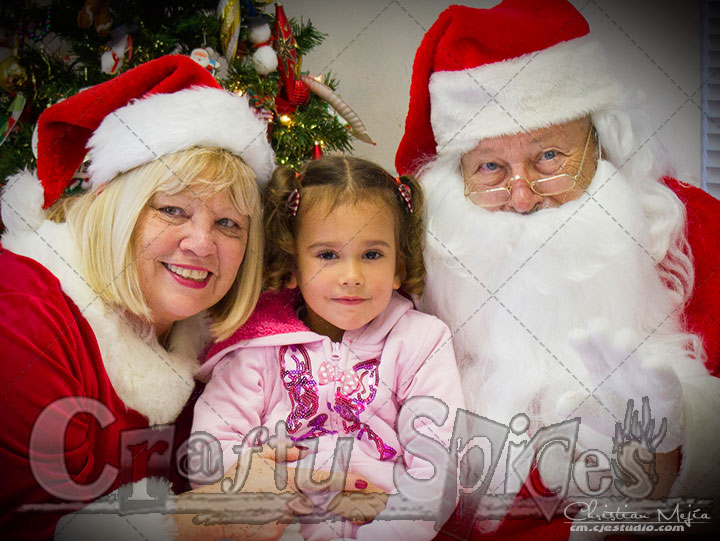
(12, 75)
(229, 13)
(285, 45)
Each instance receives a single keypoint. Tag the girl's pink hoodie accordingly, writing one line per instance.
(274, 368)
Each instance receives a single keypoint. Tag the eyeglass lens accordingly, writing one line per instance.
(545, 187)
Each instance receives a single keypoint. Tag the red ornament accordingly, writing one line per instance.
(301, 93)
(317, 152)
(283, 106)
(286, 51)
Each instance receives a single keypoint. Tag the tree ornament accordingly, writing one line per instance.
(286, 50)
(301, 93)
(218, 64)
(264, 59)
(229, 13)
(33, 31)
(204, 57)
(267, 117)
(13, 76)
(264, 114)
(112, 60)
(14, 112)
(317, 152)
(201, 56)
(343, 109)
(96, 13)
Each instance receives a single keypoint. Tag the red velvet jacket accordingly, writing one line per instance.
(67, 373)
(702, 315)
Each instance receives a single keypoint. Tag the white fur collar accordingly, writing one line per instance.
(149, 379)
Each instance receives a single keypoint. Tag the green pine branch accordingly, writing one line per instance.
(307, 37)
(159, 28)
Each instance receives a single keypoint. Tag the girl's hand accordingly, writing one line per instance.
(359, 505)
(260, 479)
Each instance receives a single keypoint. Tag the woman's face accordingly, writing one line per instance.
(189, 248)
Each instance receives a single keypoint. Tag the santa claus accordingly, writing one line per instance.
(574, 272)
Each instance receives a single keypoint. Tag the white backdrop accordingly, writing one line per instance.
(653, 44)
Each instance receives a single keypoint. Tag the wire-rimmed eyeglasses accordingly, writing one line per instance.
(548, 186)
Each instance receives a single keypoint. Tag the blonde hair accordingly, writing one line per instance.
(104, 222)
(339, 180)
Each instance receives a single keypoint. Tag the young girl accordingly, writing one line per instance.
(341, 356)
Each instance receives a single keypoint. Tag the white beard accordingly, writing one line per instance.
(511, 288)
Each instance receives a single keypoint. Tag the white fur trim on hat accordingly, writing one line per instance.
(160, 124)
(22, 201)
(561, 83)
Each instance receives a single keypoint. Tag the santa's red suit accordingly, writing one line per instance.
(80, 386)
(702, 314)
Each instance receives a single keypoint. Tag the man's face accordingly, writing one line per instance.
(517, 160)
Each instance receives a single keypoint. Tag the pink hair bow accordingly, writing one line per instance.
(331, 372)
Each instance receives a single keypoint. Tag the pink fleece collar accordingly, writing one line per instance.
(274, 314)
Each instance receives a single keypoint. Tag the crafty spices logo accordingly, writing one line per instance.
(616, 500)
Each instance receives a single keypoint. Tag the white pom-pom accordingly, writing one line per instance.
(21, 202)
(259, 33)
(265, 60)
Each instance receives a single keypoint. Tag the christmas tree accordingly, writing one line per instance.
(51, 50)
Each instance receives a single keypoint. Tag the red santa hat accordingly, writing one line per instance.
(162, 106)
(481, 73)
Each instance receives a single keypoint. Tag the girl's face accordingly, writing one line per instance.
(189, 250)
(346, 265)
